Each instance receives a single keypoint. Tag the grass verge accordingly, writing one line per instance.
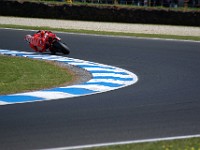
(177, 37)
(183, 144)
(23, 74)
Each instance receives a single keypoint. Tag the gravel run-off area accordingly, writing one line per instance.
(104, 26)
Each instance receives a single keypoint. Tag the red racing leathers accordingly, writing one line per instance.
(39, 41)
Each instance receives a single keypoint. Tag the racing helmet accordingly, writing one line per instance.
(52, 35)
(42, 32)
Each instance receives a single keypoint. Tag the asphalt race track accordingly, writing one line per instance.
(165, 102)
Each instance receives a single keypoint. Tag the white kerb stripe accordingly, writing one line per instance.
(98, 69)
(48, 94)
(109, 81)
(125, 142)
(94, 87)
(111, 74)
(3, 103)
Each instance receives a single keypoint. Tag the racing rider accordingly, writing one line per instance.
(39, 41)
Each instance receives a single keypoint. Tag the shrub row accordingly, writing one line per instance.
(99, 13)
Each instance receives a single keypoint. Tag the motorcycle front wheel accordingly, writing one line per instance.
(59, 46)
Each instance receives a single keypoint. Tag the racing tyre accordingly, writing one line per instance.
(61, 47)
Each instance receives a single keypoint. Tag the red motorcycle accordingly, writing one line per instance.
(43, 40)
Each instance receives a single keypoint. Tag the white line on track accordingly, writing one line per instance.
(134, 37)
(125, 142)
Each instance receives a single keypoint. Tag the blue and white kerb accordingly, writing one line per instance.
(104, 78)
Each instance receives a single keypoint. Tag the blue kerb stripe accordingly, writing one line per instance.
(74, 91)
(21, 54)
(104, 84)
(30, 56)
(9, 52)
(113, 78)
(99, 71)
(94, 66)
(19, 98)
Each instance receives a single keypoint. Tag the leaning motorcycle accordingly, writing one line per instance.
(54, 43)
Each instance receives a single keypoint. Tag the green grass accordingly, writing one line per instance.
(23, 74)
(194, 38)
(184, 144)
